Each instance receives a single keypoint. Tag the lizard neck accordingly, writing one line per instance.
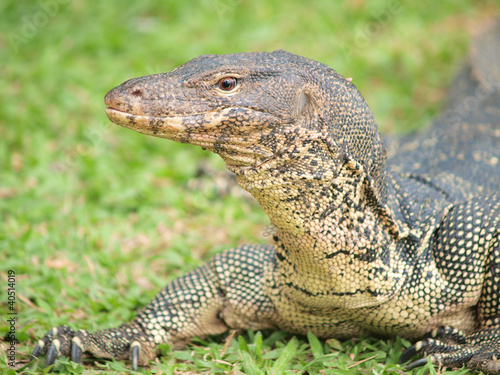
(330, 224)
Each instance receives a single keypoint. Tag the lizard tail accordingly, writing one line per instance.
(479, 78)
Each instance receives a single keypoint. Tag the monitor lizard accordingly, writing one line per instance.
(368, 239)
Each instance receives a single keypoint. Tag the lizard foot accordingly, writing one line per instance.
(124, 342)
(451, 348)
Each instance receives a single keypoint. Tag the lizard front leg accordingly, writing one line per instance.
(473, 260)
(225, 293)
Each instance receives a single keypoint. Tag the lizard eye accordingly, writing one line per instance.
(227, 83)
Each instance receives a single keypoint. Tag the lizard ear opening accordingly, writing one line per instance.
(305, 109)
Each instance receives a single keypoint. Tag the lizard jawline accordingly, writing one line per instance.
(149, 125)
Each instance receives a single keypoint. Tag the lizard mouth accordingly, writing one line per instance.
(150, 125)
(169, 126)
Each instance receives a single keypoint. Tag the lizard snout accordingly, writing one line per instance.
(125, 99)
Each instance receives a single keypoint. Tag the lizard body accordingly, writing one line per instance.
(363, 244)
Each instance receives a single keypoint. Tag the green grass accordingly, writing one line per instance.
(95, 219)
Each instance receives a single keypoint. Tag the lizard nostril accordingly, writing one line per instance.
(137, 93)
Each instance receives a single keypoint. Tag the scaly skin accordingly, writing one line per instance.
(406, 246)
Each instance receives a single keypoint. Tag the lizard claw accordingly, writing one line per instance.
(53, 352)
(135, 354)
(409, 353)
(419, 362)
(426, 346)
(38, 350)
(76, 350)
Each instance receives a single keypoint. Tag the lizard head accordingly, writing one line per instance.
(228, 104)
(249, 107)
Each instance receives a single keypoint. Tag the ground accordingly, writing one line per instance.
(96, 218)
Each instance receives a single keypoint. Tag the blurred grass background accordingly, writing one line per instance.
(95, 219)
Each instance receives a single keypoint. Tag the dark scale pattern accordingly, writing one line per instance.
(403, 241)
(174, 314)
(242, 273)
